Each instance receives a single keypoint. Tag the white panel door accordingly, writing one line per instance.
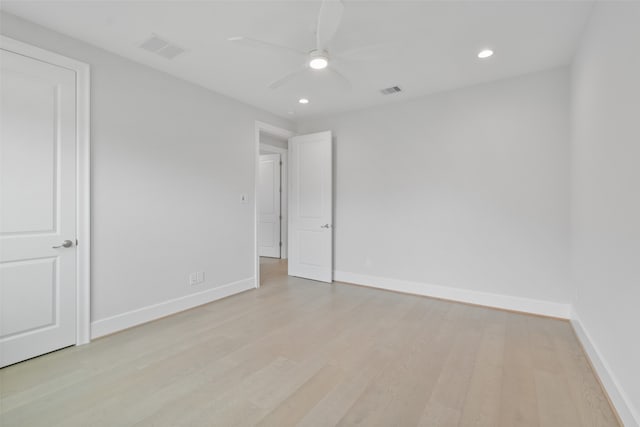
(269, 206)
(311, 207)
(37, 207)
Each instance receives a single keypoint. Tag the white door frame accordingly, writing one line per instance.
(284, 197)
(277, 132)
(83, 185)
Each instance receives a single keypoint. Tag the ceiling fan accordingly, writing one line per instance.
(318, 58)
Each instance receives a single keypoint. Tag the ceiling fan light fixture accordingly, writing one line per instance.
(486, 53)
(327, 24)
(318, 63)
(318, 59)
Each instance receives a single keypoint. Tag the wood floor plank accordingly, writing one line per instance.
(445, 405)
(592, 405)
(482, 403)
(383, 385)
(555, 405)
(335, 404)
(518, 397)
(292, 410)
(298, 352)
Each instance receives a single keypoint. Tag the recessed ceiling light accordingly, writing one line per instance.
(290, 112)
(485, 53)
(303, 101)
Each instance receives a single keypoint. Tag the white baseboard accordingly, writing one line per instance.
(126, 320)
(627, 413)
(526, 305)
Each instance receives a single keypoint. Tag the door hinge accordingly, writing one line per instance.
(280, 162)
(280, 244)
(280, 217)
(76, 242)
(280, 189)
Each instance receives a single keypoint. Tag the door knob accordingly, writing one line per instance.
(65, 244)
(325, 226)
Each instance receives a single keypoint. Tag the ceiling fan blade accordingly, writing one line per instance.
(261, 44)
(287, 78)
(344, 81)
(328, 22)
(374, 52)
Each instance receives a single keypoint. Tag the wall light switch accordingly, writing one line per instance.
(193, 278)
(200, 276)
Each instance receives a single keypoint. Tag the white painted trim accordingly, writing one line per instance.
(278, 132)
(506, 302)
(622, 403)
(274, 130)
(83, 206)
(284, 195)
(146, 314)
(273, 148)
(83, 174)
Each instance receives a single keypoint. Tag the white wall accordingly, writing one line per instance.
(467, 189)
(606, 198)
(169, 162)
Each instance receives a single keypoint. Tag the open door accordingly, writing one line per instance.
(311, 207)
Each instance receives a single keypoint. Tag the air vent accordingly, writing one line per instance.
(154, 44)
(390, 90)
(161, 47)
(170, 51)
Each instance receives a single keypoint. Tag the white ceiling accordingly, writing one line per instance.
(430, 46)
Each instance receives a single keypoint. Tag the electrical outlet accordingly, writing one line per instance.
(193, 279)
(200, 276)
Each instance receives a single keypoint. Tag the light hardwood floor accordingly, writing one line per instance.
(297, 352)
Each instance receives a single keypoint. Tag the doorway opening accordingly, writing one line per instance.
(271, 199)
(306, 203)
